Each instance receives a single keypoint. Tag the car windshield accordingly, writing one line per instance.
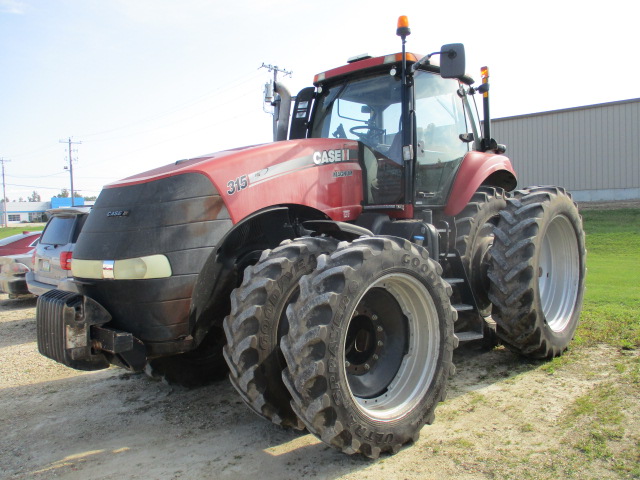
(58, 231)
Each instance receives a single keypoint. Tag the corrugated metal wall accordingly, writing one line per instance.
(595, 147)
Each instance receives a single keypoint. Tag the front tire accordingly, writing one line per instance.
(370, 345)
(258, 320)
(537, 272)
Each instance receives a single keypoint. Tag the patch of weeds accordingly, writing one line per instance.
(597, 419)
(447, 415)
(633, 374)
(527, 427)
(477, 398)
(557, 363)
(461, 443)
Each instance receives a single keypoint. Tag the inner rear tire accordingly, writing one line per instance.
(474, 237)
(370, 345)
(258, 320)
(537, 272)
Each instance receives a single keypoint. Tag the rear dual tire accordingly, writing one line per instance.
(537, 272)
(370, 343)
(258, 321)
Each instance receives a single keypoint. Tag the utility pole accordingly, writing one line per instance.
(275, 69)
(5, 222)
(270, 91)
(70, 142)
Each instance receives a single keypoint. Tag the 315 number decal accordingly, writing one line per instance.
(240, 183)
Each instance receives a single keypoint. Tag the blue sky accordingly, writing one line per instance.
(142, 83)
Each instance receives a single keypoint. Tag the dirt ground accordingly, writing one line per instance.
(505, 418)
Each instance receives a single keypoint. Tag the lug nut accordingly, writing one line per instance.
(366, 366)
(374, 317)
(347, 364)
(375, 356)
(380, 343)
(379, 329)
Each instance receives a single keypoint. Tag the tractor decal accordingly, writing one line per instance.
(331, 156)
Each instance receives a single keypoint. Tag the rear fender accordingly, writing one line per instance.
(479, 168)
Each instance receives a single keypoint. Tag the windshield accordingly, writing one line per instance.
(367, 110)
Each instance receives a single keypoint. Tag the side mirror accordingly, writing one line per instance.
(452, 60)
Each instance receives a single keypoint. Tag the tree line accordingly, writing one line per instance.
(35, 197)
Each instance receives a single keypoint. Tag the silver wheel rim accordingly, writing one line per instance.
(559, 273)
(419, 363)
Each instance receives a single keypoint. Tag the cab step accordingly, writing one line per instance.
(469, 336)
(463, 307)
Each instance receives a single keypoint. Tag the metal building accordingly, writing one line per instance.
(593, 151)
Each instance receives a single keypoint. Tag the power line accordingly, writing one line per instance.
(33, 186)
(233, 84)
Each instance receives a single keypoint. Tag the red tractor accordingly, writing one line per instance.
(335, 269)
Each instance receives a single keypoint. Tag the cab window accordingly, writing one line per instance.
(440, 119)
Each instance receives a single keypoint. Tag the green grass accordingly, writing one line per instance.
(611, 311)
(8, 231)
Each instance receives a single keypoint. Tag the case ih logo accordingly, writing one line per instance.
(118, 213)
(330, 156)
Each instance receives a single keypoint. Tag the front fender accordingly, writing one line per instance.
(479, 168)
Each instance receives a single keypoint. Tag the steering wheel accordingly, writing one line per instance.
(370, 130)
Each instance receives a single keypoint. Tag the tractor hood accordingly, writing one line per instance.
(302, 172)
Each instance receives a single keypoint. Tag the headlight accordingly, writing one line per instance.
(142, 268)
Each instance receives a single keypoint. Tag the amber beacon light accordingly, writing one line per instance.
(403, 26)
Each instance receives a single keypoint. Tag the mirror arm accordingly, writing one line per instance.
(423, 61)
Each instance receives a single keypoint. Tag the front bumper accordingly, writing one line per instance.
(13, 285)
(71, 331)
(35, 287)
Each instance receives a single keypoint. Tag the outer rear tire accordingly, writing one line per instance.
(537, 272)
(370, 345)
(258, 320)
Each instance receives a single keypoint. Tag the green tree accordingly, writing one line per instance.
(35, 197)
(64, 193)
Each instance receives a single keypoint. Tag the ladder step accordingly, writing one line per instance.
(468, 336)
(462, 307)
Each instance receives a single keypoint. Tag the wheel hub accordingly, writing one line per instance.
(365, 342)
(376, 343)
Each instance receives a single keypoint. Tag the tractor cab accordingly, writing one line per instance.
(363, 102)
